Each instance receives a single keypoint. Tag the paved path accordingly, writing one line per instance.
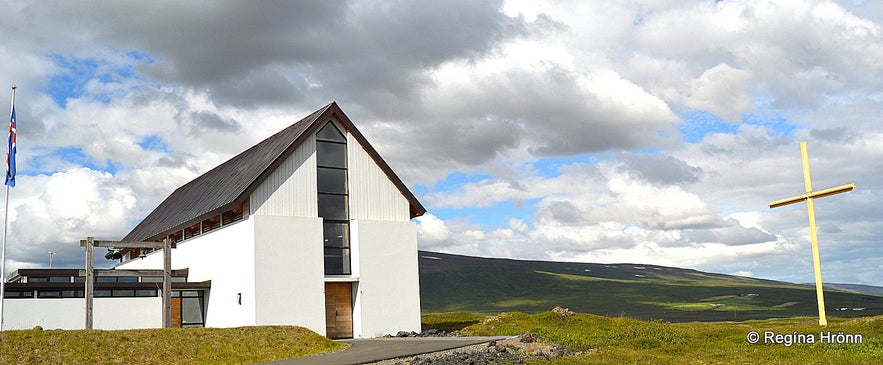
(377, 349)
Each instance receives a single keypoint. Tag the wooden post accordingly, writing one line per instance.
(90, 280)
(167, 284)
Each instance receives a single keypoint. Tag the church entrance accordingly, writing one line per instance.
(339, 310)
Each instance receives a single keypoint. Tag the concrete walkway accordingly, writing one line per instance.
(376, 349)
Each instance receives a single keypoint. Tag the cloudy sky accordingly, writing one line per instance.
(651, 132)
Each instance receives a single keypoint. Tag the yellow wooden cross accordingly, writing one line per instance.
(809, 196)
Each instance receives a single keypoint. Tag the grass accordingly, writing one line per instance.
(450, 283)
(620, 340)
(242, 345)
(449, 322)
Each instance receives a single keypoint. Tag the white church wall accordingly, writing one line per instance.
(289, 272)
(226, 257)
(291, 189)
(70, 313)
(372, 195)
(388, 295)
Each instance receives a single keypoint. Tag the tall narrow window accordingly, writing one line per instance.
(333, 198)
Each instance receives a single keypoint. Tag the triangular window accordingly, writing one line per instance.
(330, 133)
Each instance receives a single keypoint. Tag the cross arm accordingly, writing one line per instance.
(813, 195)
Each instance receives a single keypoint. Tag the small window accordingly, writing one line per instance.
(79, 279)
(337, 261)
(127, 279)
(191, 231)
(329, 154)
(49, 294)
(331, 180)
(72, 294)
(105, 279)
(333, 207)
(123, 293)
(211, 223)
(60, 279)
(18, 294)
(145, 293)
(37, 279)
(336, 234)
(151, 279)
(330, 133)
(176, 236)
(101, 293)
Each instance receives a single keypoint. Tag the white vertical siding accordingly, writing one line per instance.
(291, 189)
(372, 195)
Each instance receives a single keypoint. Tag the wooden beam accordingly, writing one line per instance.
(167, 284)
(832, 191)
(813, 195)
(90, 282)
(787, 201)
(118, 244)
(115, 272)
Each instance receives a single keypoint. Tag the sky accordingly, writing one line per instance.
(651, 132)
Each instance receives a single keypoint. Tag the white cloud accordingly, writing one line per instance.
(745, 273)
(722, 90)
(501, 89)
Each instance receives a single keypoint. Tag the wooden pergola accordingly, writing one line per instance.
(90, 243)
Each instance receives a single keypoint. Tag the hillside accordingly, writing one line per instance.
(485, 285)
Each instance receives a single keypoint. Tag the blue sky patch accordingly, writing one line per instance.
(495, 216)
(77, 72)
(154, 143)
(457, 179)
(697, 124)
(551, 167)
(776, 125)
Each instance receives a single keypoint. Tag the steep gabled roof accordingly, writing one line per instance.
(223, 187)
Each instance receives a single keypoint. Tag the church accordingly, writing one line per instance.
(310, 227)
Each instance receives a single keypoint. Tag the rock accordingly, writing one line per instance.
(38, 328)
(528, 338)
(403, 334)
(564, 312)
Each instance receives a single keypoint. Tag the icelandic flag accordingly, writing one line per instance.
(10, 152)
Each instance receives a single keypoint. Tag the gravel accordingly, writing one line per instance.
(514, 351)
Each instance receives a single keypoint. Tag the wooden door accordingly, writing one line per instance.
(176, 312)
(339, 310)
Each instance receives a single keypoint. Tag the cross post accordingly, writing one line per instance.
(810, 206)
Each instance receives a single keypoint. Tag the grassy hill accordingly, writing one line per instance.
(616, 340)
(450, 283)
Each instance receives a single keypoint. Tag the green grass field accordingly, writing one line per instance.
(243, 345)
(451, 283)
(619, 340)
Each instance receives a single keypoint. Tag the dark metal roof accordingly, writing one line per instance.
(231, 182)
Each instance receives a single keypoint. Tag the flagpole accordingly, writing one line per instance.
(5, 228)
